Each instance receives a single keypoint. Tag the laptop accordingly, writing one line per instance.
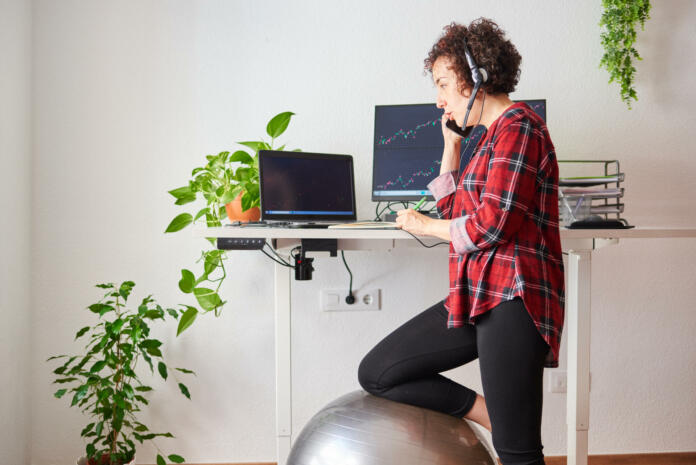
(306, 190)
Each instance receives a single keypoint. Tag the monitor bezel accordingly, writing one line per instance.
(313, 155)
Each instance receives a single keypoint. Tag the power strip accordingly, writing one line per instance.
(240, 243)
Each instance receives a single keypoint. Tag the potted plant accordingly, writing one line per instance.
(619, 19)
(104, 383)
(224, 180)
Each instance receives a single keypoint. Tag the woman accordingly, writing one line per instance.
(505, 303)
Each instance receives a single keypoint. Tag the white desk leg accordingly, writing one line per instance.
(579, 312)
(283, 361)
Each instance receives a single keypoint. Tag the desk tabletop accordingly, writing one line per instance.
(639, 232)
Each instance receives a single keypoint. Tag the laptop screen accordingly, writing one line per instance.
(306, 186)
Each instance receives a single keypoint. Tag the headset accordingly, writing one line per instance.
(479, 76)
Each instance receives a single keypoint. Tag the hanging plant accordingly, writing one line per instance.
(619, 20)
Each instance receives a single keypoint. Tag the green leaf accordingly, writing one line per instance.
(278, 124)
(173, 313)
(64, 380)
(105, 286)
(207, 298)
(116, 326)
(162, 368)
(179, 223)
(201, 212)
(125, 289)
(99, 428)
(81, 392)
(253, 145)
(101, 309)
(229, 195)
(187, 319)
(91, 450)
(147, 343)
(81, 332)
(59, 393)
(181, 192)
(184, 390)
(154, 351)
(160, 460)
(176, 458)
(98, 366)
(86, 429)
(184, 370)
(242, 157)
(143, 388)
(186, 282)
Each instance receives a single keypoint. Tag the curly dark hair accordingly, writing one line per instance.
(492, 51)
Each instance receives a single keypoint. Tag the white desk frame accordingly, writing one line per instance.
(578, 243)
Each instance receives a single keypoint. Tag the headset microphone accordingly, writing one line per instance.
(479, 76)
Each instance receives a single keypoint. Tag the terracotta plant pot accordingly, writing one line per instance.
(235, 213)
(105, 461)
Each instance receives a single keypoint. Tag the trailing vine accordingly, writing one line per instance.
(619, 20)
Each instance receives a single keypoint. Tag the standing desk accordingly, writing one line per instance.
(577, 243)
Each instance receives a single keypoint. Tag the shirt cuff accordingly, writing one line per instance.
(461, 242)
(442, 185)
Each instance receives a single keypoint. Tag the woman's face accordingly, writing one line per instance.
(448, 96)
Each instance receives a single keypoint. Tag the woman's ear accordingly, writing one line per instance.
(466, 92)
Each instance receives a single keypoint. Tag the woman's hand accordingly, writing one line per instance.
(414, 222)
(451, 138)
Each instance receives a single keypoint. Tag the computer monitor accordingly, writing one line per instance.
(408, 149)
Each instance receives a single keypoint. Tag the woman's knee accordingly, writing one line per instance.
(368, 375)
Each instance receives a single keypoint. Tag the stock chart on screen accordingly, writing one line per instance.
(408, 148)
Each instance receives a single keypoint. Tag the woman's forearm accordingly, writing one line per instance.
(440, 228)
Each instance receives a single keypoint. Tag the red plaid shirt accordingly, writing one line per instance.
(505, 237)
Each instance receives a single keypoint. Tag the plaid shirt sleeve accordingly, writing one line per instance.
(507, 195)
(443, 188)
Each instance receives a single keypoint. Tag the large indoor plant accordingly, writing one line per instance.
(104, 382)
(223, 178)
(619, 20)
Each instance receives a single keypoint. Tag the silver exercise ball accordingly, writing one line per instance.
(361, 429)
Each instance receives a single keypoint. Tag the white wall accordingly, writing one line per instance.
(131, 95)
(15, 204)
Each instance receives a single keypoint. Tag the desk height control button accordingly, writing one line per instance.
(240, 243)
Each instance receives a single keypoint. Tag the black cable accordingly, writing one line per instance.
(276, 253)
(349, 299)
(278, 262)
(426, 246)
(471, 137)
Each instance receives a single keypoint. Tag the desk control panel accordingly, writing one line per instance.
(240, 243)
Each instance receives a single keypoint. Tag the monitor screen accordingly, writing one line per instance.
(306, 186)
(408, 149)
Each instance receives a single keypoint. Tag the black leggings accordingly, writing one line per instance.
(405, 367)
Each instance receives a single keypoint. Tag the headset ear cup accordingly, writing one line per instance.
(484, 75)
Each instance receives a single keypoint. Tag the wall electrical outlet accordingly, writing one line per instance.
(334, 300)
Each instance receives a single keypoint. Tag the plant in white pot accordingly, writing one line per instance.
(103, 381)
